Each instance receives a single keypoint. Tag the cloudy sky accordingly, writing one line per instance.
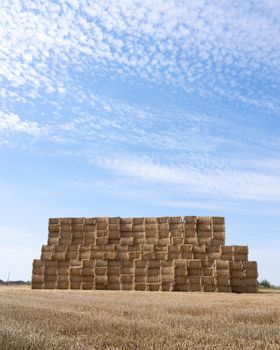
(139, 108)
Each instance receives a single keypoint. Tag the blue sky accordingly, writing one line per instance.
(139, 108)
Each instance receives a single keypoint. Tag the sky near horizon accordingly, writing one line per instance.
(139, 108)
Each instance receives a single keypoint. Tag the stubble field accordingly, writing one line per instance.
(41, 319)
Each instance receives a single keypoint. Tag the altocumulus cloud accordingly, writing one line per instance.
(223, 47)
(228, 50)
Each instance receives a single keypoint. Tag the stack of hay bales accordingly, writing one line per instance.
(146, 254)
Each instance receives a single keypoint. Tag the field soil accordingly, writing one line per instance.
(44, 319)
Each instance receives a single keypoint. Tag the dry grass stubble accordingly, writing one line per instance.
(42, 319)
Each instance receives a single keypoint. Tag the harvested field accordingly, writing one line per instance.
(57, 319)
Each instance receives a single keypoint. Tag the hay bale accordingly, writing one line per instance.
(163, 227)
(127, 286)
(237, 289)
(75, 271)
(58, 256)
(37, 285)
(38, 278)
(127, 270)
(140, 286)
(126, 241)
(77, 241)
(206, 241)
(53, 221)
(114, 279)
(198, 256)
(153, 271)
(153, 279)
(227, 257)
(223, 281)
(176, 233)
(191, 240)
(63, 285)
(140, 278)
(97, 255)
(167, 287)
(223, 289)
(195, 288)
(101, 240)
(194, 272)
(186, 248)
(240, 257)
(54, 228)
(163, 241)
(207, 271)
(251, 289)
(153, 287)
(64, 270)
(181, 271)
(147, 247)
(114, 234)
(109, 255)
(75, 285)
(109, 248)
(222, 264)
(237, 282)
(138, 227)
(178, 240)
(213, 248)
(174, 255)
(218, 227)
(194, 279)
(250, 265)
(186, 255)
(204, 220)
(239, 249)
(160, 248)
(126, 278)
(114, 286)
(208, 280)
(209, 288)
(50, 271)
(101, 286)
(71, 256)
(88, 271)
(204, 227)
(175, 220)
(218, 238)
(167, 279)
(189, 219)
(88, 285)
(218, 220)
(77, 227)
(148, 256)
(167, 270)
(63, 278)
(163, 220)
(194, 264)
(50, 285)
(180, 263)
(101, 266)
(161, 255)
(101, 279)
(236, 265)
(115, 220)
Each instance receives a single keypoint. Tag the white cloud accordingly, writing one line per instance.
(221, 182)
(207, 46)
(11, 123)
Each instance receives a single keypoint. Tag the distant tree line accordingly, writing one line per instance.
(266, 284)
